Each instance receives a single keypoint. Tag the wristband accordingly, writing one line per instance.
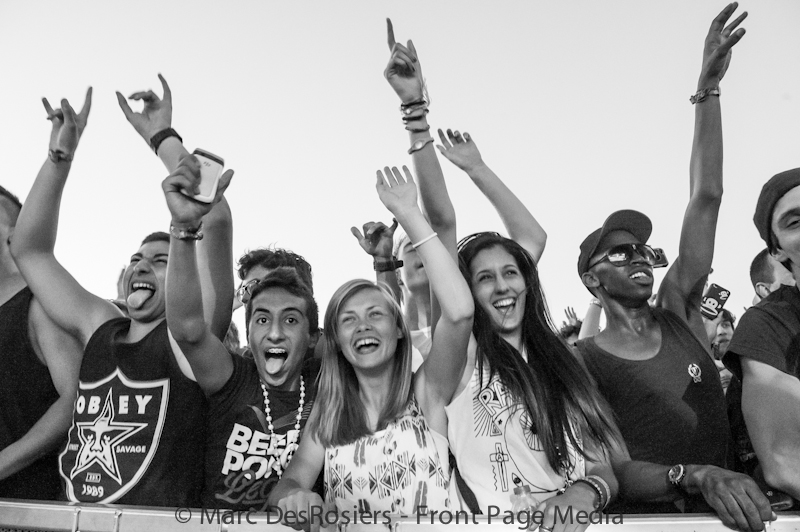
(598, 488)
(418, 145)
(595, 301)
(58, 156)
(187, 234)
(418, 129)
(158, 138)
(387, 265)
(429, 237)
(702, 94)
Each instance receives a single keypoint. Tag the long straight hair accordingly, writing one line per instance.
(552, 386)
(339, 416)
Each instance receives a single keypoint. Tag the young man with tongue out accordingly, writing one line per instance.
(653, 364)
(257, 406)
(139, 416)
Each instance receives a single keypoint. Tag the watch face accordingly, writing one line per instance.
(675, 474)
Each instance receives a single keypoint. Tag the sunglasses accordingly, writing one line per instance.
(244, 292)
(622, 255)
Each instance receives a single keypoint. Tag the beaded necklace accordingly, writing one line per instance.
(291, 447)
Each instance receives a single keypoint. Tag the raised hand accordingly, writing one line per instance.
(377, 239)
(68, 126)
(183, 183)
(156, 115)
(460, 150)
(404, 73)
(719, 42)
(398, 194)
(572, 318)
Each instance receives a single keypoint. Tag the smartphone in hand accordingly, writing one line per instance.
(211, 167)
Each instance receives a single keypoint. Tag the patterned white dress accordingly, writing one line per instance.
(399, 469)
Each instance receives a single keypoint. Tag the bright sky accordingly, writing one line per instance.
(581, 107)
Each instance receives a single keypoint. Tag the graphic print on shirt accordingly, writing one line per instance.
(494, 411)
(116, 427)
(395, 467)
(254, 461)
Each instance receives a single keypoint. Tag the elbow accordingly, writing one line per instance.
(710, 196)
(189, 331)
(464, 314)
(782, 471)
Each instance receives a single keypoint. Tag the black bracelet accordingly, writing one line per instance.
(387, 265)
(161, 136)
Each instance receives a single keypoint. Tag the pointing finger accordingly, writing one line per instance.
(390, 33)
(123, 104)
(165, 86)
(87, 104)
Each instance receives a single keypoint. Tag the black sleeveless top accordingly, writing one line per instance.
(138, 430)
(26, 392)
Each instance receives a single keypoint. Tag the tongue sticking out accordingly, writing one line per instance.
(274, 364)
(138, 298)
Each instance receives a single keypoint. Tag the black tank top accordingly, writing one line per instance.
(138, 431)
(26, 392)
(670, 408)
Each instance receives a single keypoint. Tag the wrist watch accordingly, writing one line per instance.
(676, 475)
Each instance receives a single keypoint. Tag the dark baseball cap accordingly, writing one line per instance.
(771, 192)
(633, 222)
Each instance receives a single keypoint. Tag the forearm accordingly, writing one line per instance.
(644, 481)
(522, 227)
(591, 321)
(705, 168)
(48, 432)
(215, 257)
(37, 225)
(170, 152)
(435, 199)
(390, 280)
(185, 317)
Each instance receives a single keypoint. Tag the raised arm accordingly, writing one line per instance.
(434, 384)
(522, 227)
(404, 74)
(67, 302)
(377, 241)
(215, 252)
(62, 354)
(678, 291)
(211, 363)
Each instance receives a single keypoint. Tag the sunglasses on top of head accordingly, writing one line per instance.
(244, 291)
(622, 255)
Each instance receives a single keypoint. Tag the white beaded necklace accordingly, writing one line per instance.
(291, 447)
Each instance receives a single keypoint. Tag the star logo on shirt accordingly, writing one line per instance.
(98, 439)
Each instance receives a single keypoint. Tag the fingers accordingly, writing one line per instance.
(123, 104)
(52, 113)
(224, 181)
(730, 42)
(390, 33)
(445, 143)
(166, 89)
(145, 96)
(733, 25)
(381, 181)
(720, 20)
(409, 177)
(69, 113)
(356, 233)
(413, 50)
(87, 104)
(398, 177)
(394, 225)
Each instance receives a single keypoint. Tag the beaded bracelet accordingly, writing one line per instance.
(600, 486)
(702, 94)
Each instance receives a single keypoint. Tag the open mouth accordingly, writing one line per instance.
(365, 346)
(275, 358)
(641, 277)
(140, 293)
(504, 305)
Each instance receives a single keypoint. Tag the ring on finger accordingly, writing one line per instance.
(545, 528)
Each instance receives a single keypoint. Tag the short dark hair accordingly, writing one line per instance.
(761, 271)
(728, 316)
(288, 279)
(14, 213)
(158, 236)
(273, 258)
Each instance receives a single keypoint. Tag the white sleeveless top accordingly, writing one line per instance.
(496, 448)
(398, 469)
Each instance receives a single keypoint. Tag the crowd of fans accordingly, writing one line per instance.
(441, 385)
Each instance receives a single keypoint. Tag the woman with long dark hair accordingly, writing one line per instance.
(525, 412)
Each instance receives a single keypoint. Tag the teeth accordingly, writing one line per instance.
(638, 274)
(504, 302)
(146, 286)
(366, 341)
(276, 351)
